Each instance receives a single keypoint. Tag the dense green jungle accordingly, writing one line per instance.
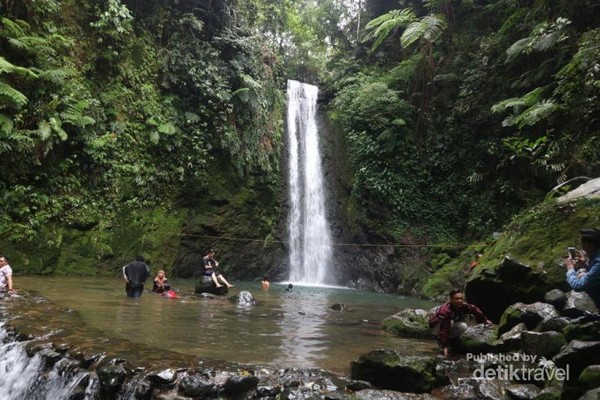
(158, 127)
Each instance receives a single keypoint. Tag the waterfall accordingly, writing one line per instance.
(309, 236)
(41, 376)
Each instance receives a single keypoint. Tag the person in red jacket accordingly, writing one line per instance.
(448, 322)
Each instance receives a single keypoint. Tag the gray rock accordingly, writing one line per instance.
(544, 344)
(557, 298)
(577, 303)
(590, 189)
(529, 314)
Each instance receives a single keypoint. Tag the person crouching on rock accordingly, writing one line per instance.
(448, 322)
(209, 263)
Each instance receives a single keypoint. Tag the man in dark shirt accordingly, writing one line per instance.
(448, 321)
(209, 263)
(135, 274)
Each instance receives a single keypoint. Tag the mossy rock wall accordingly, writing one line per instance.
(101, 249)
(536, 243)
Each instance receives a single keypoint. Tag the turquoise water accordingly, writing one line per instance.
(288, 329)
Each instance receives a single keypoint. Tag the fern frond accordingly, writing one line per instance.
(56, 76)
(387, 23)
(74, 114)
(429, 28)
(14, 28)
(8, 67)
(517, 48)
(11, 96)
(536, 113)
(6, 124)
(154, 137)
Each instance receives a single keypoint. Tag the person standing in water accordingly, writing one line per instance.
(265, 284)
(135, 274)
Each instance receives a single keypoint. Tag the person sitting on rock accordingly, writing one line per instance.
(589, 280)
(448, 321)
(209, 263)
(160, 283)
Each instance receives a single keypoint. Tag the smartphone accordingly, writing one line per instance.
(573, 252)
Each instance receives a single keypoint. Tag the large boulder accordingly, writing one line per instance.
(408, 323)
(529, 314)
(389, 369)
(206, 285)
(510, 282)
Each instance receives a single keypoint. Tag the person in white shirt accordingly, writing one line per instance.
(6, 281)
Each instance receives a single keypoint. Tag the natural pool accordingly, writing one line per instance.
(287, 329)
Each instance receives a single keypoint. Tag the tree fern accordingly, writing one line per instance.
(543, 37)
(388, 23)
(430, 28)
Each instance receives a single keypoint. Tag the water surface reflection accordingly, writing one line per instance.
(289, 329)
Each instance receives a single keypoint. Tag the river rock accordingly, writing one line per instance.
(243, 298)
(593, 394)
(370, 394)
(196, 386)
(111, 377)
(511, 340)
(476, 339)
(544, 344)
(583, 329)
(577, 303)
(408, 323)
(590, 377)
(578, 355)
(522, 392)
(557, 298)
(389, 369)
(475, 389)
(238, 384)
(530, 314)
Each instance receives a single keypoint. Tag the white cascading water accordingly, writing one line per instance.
(309, 236)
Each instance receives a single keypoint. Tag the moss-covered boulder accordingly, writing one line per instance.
(590, 377)
(529, 314)
(389, 369)
(408, 323)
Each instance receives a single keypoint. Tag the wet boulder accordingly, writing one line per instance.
(530, 314)
(557, 298)
(577, 303)
(408, 323)
(511, 340)
(238, 384)
(206, 285)
(475, 389)
(476, 339)
(111, 377)
(577, 355)
(196, 386)
(590, 377)
(243, 298)
(544, 344)
(389, 369)
(371, 394)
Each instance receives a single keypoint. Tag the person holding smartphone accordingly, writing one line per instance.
(586, 281)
